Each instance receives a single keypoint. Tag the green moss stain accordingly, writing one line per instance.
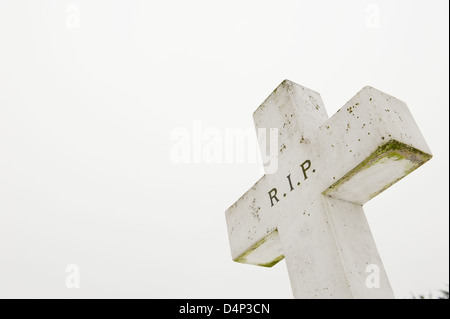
(243, 257)
(393, 150)
(273, 262)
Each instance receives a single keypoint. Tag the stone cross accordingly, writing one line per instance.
(309, 211)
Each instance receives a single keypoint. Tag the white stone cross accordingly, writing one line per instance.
(310, 210)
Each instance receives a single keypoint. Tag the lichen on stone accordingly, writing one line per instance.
(243, 257)
(391, 149)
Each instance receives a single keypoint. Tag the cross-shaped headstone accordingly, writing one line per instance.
(310, 210)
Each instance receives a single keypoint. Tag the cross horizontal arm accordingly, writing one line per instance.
(369, 144)
(252, 228)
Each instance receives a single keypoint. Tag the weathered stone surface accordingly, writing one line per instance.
(310, 210)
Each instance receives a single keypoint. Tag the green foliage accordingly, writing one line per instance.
(441, 294)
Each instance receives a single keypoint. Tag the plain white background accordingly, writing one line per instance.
(90, 92)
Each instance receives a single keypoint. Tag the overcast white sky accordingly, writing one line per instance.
(90, 92)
